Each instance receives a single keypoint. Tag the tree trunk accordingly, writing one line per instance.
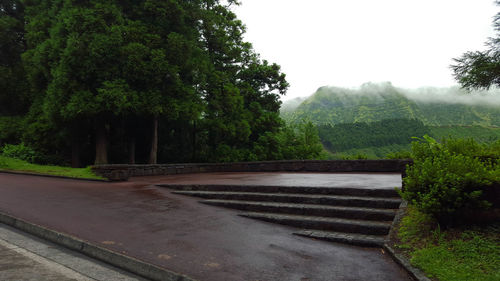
(75, 154)
(101, 144)
(154, 143)
(131, 151)
(193, 157)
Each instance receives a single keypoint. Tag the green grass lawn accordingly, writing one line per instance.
(12, 164)
(468, 253)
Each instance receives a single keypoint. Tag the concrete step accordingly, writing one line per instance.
(349, 191)
(307, 209)
(348, 238)
(338, 200)
(324, 223)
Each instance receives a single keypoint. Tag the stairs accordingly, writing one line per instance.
(359, 216)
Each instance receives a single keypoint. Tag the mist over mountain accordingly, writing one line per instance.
(291, 105)
(380, 101)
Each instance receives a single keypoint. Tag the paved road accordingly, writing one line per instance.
(147, 222)
(24, 257)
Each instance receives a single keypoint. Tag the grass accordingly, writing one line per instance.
(11, 164)
(460, 254)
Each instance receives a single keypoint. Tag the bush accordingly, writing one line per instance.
(357, 156)
(403, 154)
(11, 128)
(416, 229)
(27, 153)
(448, 179)
(19, 151)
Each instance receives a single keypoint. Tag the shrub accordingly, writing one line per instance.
(3, 164)
(11, 128)
(27, 153)
(447, 179)
(403, 154)
(416, 227)
(19, 151)
(358, 156)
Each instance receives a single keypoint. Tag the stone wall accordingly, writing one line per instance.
(119, 172)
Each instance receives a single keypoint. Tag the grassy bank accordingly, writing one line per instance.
(468, 254)
(11, 164)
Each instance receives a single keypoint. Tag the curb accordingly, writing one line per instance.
(127, 263)
(415, 273)
(48, 176)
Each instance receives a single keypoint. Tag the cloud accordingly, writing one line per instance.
(451, 95)
(454, 95)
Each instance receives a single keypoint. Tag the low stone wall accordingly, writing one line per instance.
(119, 172)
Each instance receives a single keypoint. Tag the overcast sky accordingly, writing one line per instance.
(346, 43)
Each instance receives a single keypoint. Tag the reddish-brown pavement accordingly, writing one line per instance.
(147, 222)
(357, 180)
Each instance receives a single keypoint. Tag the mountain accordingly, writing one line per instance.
(291, 105)
(376, 102)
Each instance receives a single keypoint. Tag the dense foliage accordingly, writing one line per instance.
(451, 178)
(14, 94)
(480, 134)
(341, 137)
(391, 138)
(139, 81)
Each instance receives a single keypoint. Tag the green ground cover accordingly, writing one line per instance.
(469, 253)
(11, 164)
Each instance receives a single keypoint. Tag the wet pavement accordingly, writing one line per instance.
(357, 180)
(147, 222)
(24, 257)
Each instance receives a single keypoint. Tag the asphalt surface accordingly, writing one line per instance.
(357, 180)
(149, 223)
(24, 257)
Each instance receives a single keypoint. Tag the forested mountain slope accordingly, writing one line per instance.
(377, 139)
(376, 102)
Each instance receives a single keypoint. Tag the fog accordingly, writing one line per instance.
(453, 95)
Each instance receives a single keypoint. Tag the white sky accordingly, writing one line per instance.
(346, 43)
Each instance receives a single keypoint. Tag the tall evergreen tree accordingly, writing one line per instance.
(126, 73)
(242, 92)
(13, 96)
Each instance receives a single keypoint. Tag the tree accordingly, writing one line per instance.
(81, 74)
(13, 96)
(98, 63)
(173, 80)
(241, 92)
(481, 69)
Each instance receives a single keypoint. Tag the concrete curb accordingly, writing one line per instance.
(49, 176)
(127, 263)
(415, 273)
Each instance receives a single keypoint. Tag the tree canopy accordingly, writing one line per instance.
(141, 81)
